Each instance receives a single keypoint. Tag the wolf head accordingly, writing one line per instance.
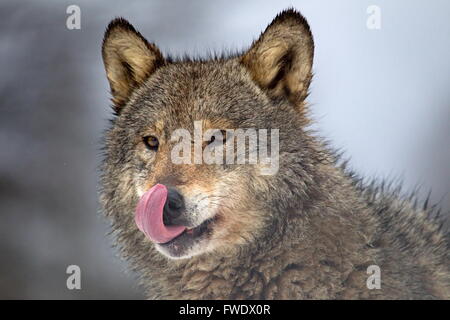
(189, 208)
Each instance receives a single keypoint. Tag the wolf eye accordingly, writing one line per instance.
(151, 143)
(213, 138)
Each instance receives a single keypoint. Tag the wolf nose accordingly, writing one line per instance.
(173, 207)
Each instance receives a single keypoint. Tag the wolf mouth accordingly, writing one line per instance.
(190, 235)
(176, 238)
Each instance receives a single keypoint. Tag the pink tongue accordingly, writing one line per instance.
(149, 216)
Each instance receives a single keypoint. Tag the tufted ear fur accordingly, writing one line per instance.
(280, 61)
(129, 59)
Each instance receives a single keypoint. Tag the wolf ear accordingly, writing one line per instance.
(129, 59)
(280, 61)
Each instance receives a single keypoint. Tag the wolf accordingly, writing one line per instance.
(311, 230)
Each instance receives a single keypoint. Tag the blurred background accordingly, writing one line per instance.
(381, 95)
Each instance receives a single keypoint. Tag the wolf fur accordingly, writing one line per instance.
(308, 232)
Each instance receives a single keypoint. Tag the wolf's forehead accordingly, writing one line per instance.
(198, 89)
(221, 94)
(203, 80)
